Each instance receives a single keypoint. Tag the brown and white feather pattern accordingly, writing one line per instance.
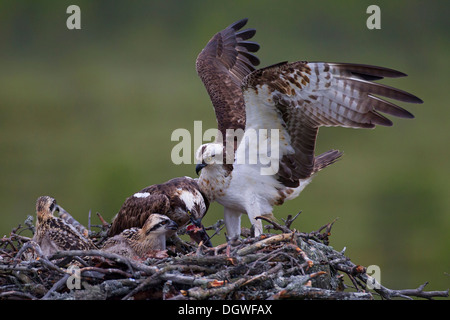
(295, 98)
(300, 97)
(173, 198)
(222, 64)
(53, 234)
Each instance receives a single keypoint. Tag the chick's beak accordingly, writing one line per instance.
(172, 225)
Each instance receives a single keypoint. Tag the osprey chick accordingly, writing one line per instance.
(142, 242)
(55, 234)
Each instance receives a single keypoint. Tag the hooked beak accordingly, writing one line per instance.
(199, 167)
(172, 225)
(195, 222)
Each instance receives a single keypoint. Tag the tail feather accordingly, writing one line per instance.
(63, 214)
(326, 159)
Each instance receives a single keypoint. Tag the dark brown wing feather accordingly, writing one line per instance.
(307, 96)
(222, 64)
(164, 199)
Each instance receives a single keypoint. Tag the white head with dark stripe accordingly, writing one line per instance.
(155, 231)
(159, 224)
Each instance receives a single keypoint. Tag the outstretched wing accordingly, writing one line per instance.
(300, 97)
(136, 210)
(222, 64)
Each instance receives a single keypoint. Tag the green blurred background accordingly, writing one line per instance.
(86, 116)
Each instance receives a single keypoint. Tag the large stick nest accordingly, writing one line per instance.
(286, 265)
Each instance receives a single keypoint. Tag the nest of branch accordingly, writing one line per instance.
(286, 265)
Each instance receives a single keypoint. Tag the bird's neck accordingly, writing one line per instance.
(43, 217)
(150, 242)
(214, 179)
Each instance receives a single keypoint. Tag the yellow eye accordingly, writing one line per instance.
(209, 159)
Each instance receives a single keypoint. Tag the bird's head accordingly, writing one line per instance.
(209, 155)
(158, 224)
(45, 207)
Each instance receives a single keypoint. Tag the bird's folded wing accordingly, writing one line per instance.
(66, 237)
(136, 210)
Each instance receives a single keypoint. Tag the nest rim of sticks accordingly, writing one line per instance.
(284, 265)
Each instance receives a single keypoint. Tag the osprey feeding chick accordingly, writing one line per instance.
(54, 233)
(180, 199)
(279, 108)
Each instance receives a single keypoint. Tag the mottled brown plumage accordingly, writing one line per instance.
(53, 233)
(180, 199)
(140, 243)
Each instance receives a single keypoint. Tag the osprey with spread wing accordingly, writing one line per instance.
(290, 99)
